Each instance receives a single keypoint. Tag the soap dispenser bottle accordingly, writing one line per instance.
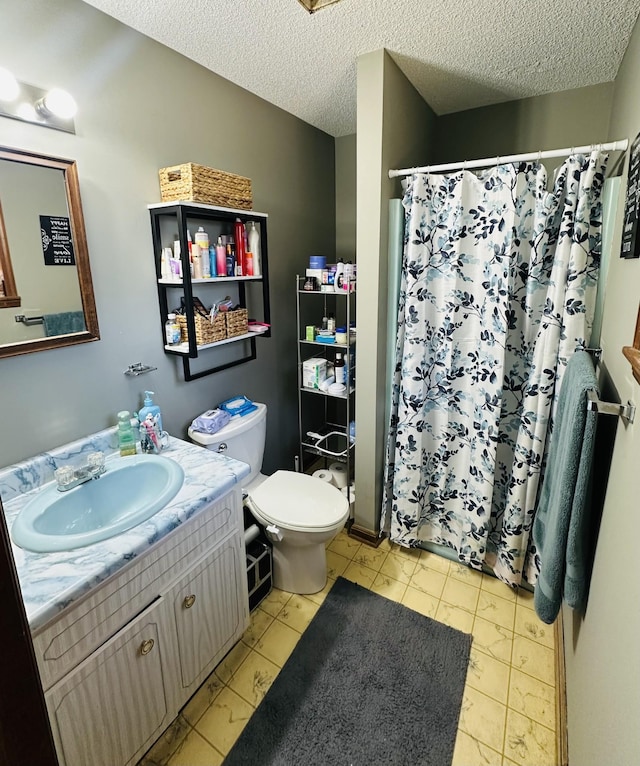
(126, 435)
(150, 411)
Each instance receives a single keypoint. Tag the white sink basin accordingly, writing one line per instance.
(130, 491)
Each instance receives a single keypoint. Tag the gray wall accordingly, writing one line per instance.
(395, 129)
(552, 121)
(143, 107)
(602, 655)
(346, 197)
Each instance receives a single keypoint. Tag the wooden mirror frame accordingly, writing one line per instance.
(632, 353)
(91, 333)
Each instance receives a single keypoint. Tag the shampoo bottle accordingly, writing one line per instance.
(238, 232)
(221, 258)
(337, 282)
(253, 240)
(126, 435)
(150, 410)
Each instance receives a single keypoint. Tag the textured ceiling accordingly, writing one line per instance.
(458, 54)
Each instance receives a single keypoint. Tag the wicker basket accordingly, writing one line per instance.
(197, 183)
(237, 322)
(206, 331)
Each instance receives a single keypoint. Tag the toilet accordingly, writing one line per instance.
(300, 513)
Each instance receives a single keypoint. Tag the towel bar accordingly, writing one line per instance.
(626, 411)
(29, 320)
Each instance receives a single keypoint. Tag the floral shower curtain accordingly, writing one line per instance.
(498, 287)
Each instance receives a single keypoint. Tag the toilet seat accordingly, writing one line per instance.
(299, 502)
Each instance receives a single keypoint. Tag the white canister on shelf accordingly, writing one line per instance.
(253, 240)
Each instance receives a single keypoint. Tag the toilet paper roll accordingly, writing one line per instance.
(250, 534)
(339, 473)
(324, 476)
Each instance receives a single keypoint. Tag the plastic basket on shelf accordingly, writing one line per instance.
(198, 183)
(237, 322)
(207, 331)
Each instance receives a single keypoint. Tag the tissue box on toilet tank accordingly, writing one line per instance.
(314, 372)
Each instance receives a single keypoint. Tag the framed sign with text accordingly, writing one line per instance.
(57, 242)
(630, 247)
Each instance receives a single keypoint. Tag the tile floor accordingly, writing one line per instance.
(508, 711)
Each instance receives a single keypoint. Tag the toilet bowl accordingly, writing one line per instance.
(300, 515)
(299, 512)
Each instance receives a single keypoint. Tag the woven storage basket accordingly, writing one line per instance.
(206, 331)
(237, 322)
(197, 183)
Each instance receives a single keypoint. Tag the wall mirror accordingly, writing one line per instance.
(46, 292)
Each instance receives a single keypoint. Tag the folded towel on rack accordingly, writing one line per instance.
(63, 323)
(562, 516)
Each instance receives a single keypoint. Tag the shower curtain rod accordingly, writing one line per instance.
(614, 146)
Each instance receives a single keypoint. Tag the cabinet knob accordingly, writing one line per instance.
(222, 447)
(189, 601)
(147, 646)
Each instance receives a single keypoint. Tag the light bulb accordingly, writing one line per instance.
(59, 103)
(9, 87)
(27, 112)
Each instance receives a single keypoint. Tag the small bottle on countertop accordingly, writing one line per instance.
(150, 411)
(126, 434)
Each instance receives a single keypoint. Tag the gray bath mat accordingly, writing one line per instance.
(370, 682)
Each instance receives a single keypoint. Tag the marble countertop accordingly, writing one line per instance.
(50, 582)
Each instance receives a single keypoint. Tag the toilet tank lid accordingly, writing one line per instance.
(299, 501)
(237, 425)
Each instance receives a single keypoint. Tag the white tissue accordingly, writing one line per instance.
(324, 476)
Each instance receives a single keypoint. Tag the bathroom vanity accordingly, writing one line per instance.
(126, 630)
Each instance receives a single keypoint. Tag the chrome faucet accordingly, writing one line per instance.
(68, 477)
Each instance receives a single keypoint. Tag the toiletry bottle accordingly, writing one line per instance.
(165, 263)
(339, 369)
(213, 265)
(238, 235)
(231, 261)
(253, 240)
(337, 280)
(150, 410)
(126, 434)
(331, 323)
(221, 258)
(347, 276)
(202, 238)
(248, 264)
(172, 331)
(196, 259)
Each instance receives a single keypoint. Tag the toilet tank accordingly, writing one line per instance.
(242, 438)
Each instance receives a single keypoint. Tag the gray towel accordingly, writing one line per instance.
(562, 514)
(63, 323)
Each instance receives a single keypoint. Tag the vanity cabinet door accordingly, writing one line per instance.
(210, 608)
(116, 702)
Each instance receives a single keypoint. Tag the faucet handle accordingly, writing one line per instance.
(64, 475)
(95, 462)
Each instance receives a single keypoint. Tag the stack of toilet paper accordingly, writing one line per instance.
(336, 475)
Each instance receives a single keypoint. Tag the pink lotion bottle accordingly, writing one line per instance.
(221, 258)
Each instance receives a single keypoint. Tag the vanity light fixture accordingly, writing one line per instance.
(54, 108)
